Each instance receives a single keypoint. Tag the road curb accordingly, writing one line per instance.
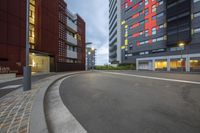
(38, 122)
(64, 121)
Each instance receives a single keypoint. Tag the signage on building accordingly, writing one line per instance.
(4, 70)
(158, 50)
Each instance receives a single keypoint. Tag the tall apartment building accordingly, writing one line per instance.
(114, 31)
(161, 34)
(51, 47)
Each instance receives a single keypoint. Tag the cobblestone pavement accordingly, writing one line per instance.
(15, 109)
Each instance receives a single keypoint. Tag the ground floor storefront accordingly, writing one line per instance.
(186, 63)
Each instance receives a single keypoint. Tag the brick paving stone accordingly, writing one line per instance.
(15, 109)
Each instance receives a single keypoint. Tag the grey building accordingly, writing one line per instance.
(161, 34)
(90, 58)
(114, 31)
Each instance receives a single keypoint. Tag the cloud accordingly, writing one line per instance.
(95, 13)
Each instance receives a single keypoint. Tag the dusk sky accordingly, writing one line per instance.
(95, 13)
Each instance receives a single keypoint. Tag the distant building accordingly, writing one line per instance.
(90, 58)
(57, 37)
(114, 31)
(161, 34)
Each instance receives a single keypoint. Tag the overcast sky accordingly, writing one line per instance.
(95, 13)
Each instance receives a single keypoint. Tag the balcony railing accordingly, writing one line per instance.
(71, 25)
(71, 40)
(72, 54)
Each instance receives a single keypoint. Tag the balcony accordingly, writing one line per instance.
(71, 40)
(72, 54)
(71, 25)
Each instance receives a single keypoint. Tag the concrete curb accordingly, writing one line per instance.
(64, 121)
(38, 122)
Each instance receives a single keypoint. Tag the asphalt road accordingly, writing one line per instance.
(109, 103)
(19, 82)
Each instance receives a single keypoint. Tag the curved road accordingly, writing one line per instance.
(108, 103)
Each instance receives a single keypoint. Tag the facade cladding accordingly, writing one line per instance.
(114, 31)
(161, 34)
(52, 49)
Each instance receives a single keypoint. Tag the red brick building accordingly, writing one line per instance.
(48, 36)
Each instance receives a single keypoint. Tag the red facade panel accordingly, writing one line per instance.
(12, 33)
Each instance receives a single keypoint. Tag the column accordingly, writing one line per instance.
(153, 64)
(137, 64)
(168, 64)
(187, 64)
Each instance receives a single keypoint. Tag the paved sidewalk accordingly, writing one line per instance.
(15, 109)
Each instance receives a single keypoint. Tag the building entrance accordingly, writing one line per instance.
(39, 63)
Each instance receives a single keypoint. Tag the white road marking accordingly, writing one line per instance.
(156, 78)
(10, 87)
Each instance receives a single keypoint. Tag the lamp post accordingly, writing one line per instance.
(27, 68)
(181, 45)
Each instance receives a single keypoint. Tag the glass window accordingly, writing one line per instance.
(160, 39)
(154, 31)
(197, 14)
(161, 2)
(197, 30)
(161, 26)
(146, 33)
(154, 8)
(154, 40)
(142, 22)
(146, 12)
(196, 1)
(160, 15)
(146, 2)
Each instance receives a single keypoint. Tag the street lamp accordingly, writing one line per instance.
(27, 68)
(181, 45)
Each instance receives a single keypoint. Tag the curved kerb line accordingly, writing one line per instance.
(156, 78)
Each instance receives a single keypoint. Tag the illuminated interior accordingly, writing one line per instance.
(39, 63)
(32, 23)
(175, 64)
(195, 64)
(161, 65)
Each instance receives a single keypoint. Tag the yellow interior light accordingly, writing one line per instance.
(123, 47)
(123, 22)
(126, 42)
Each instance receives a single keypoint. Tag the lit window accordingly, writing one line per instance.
(142, 43)
(154, 40)
(160, 39)
(154, 31)
(154, 8)
(161, 26)
(126, 5)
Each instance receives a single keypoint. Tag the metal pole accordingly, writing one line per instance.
(27, 68)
